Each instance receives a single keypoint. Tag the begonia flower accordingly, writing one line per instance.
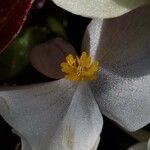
(100, 8)
(66, 115)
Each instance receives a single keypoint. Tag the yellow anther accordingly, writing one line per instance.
(79, 69)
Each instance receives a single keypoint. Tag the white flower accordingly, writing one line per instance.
(100, 8)
(62, 115)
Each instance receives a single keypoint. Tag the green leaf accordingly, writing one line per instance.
(56, 27)
(15, 58)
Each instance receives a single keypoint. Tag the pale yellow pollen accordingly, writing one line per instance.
(79, 69)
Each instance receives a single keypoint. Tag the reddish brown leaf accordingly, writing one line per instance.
(12, 16)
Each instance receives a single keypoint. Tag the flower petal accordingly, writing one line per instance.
(36, 112)
(148, 147)
(122, 89)
(139, 146)
(54, 115)
(83, 122)
(47, 57)
(4, 108)
(92, 37)
(124, 45)
(112, 37)
(100, 8)
(124, 100)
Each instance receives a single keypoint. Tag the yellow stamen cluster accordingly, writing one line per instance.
(79, 69)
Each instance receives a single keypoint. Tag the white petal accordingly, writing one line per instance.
(92, 37)
(36, 112)
(123, 87)
(148, 146)
(124, 100)
(139, 146)
(83, 122)
(119, 38)
(4, 107)
(100, 8)
(52, 116)
(125, 44)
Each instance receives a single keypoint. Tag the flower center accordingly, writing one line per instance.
(79, 69)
